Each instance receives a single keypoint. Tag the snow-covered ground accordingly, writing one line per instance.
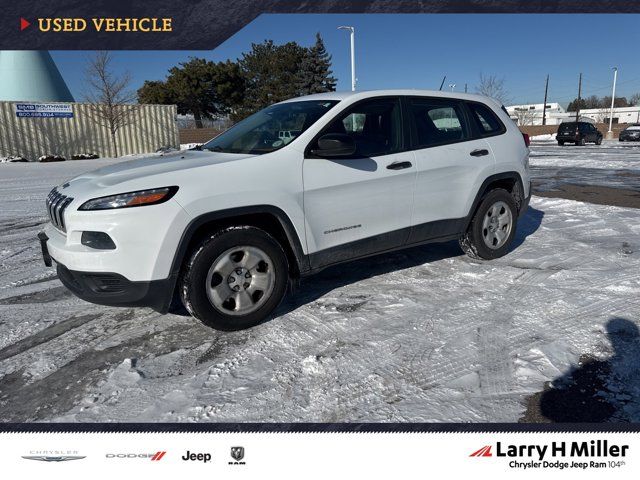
(425, 334)
(612, 164)
(612, 154)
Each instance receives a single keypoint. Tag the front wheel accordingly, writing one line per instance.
(599, 141)
(561, 143)
(235, 278)
(492, 228)
(582, 142)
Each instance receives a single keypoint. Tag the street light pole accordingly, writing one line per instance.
(452, 86)
(613, 99)
(352, 34)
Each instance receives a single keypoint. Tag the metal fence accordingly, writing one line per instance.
(152, 127)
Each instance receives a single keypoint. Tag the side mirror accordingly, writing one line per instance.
(334, 145)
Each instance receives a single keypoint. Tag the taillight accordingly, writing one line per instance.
(527, 142)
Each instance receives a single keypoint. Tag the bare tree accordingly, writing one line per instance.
(635, 100)
(112, 101)
(492, 86)
(525, 116)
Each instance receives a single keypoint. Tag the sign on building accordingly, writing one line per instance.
(47, 110)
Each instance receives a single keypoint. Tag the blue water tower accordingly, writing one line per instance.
(31, 76)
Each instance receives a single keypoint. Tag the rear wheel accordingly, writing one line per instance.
(561, 143)
(582, 142)
(235, 278)
(492, 228)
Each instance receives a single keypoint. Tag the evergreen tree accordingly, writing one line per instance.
(271, 75)
(200, 87)
(314, 75)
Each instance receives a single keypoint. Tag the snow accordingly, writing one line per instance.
(425, 334)
(547, 137)
(612, 155)
(189, 146)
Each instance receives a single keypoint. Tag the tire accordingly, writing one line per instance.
(599, 141)
(561, 143)
(473, 242)
(582, 142)
(234, 278)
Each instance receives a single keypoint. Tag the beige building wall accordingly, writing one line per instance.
(152, 127)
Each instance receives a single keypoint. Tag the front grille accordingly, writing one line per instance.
(56, 205)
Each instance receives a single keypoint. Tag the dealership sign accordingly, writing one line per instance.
(47, 110)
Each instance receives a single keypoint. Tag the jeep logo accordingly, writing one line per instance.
(196, 457)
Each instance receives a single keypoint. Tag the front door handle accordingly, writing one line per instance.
(480, 152)
(399, 165)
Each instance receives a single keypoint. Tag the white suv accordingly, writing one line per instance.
(225, 227)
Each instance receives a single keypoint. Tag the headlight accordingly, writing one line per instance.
(131, 199)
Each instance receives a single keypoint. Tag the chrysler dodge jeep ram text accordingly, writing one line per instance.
(301, 185)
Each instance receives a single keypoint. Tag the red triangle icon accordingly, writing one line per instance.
(24, 23)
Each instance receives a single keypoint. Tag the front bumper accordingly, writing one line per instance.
(117, 291)
(106, 288)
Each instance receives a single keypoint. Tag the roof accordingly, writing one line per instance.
(31, 76)
(362, 94)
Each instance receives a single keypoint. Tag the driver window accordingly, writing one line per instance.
(374, 125)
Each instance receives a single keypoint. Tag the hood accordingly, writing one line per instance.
(147, 167)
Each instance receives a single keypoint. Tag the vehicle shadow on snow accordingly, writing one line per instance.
(596, 390)
(337, 276)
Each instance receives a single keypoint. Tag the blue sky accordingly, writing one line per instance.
(416, 51)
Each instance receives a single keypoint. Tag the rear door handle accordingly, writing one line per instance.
(480, 153)
(399, 165)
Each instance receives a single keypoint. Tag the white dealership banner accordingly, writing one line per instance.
(46, 110)
(321, 455)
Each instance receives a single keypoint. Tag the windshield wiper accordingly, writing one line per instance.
(217, 148)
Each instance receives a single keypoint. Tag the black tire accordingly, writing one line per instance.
(582, 142)
(193, 278)
(472, 242)
(561, 143)
(599, 141)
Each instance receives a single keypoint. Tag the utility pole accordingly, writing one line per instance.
(442, 84)
(613, 99)
(465, 88)
(544, 107)
(579, 98)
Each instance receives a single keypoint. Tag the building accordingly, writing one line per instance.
(31, 76)
(531, 114)
(39, 117)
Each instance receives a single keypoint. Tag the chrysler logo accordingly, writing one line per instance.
(53, 458)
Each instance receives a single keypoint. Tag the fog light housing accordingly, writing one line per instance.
(97, 240)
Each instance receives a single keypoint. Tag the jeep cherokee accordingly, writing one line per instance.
(301, 185)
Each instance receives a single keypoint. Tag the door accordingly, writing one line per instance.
(362, 204)
(452, 160)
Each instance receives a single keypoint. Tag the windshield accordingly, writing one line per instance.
(271, 128)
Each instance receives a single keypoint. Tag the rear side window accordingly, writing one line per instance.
(437, 122)
(485, 119)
